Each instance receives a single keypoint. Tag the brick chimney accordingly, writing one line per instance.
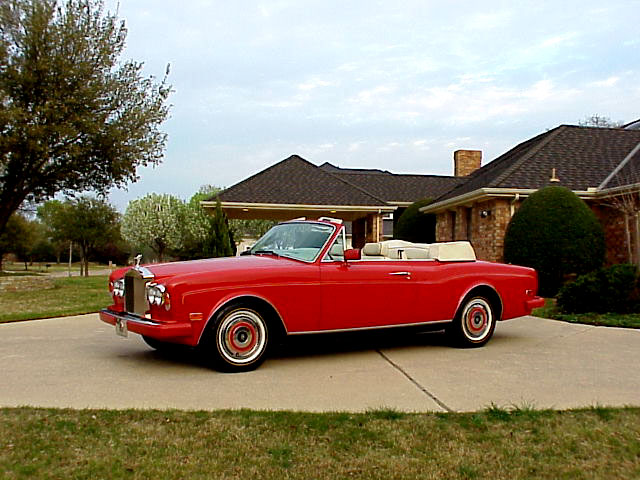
(465, 162)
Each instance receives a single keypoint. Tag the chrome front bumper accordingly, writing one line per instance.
(128, 322)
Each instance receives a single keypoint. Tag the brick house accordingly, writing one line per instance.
(600, 165)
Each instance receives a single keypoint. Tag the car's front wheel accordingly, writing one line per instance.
(237, 340)
(474, 323)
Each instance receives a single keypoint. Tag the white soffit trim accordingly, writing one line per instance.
(486, 193)
(295, 206)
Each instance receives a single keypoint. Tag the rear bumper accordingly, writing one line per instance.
(146, 326)
(535, 302)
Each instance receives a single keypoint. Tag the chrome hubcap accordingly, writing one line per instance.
(242, 337)
(477, 319)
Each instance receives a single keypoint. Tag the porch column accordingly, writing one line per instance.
(374, 231)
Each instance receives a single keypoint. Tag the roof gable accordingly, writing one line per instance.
(295, 181)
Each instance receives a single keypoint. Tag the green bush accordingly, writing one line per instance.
(557, 234)
(414, 226)
(607, 290)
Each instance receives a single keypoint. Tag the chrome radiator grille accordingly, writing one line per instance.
(135, 298)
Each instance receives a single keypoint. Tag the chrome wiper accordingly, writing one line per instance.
(265, 252)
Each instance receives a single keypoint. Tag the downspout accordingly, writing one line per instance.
(512, 204)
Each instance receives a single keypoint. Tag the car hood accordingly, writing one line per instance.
(214, 266)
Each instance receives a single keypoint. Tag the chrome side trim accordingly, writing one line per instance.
(382, 327)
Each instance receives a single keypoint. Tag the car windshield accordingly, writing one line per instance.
(301, 241)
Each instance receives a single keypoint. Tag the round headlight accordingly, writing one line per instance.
(118, 287)
(155, 294)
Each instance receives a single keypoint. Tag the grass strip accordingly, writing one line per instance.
(70, 296)
(381, 444)
(626, 320)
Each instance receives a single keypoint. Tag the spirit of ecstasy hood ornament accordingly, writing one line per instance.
(137, 258)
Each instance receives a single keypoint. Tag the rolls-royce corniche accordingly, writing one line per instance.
(299, 279)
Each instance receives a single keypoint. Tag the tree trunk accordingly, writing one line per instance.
(637, 238)
(627, 232)
(70, 256)
(84, 261)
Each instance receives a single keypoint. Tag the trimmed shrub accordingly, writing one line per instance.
(414, 226)
(607, 290)
(557, 234)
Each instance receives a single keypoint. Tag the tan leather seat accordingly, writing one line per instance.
(452, 252)
(411, 253)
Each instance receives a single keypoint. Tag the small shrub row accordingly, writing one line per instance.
(612, 289)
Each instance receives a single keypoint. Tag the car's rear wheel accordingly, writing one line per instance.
(237, 340)
(474, 323)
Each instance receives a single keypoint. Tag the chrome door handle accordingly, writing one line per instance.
(404, 274)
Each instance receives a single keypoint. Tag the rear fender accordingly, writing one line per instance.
(487, 291)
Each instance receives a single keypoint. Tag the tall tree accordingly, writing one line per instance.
(73, 117)
(218, 242)
(16, 237)
(89, 223)
(47, 214)
(155, 221)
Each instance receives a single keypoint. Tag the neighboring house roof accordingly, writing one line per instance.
(295, 181)
(299, 182)
(583, 158)
(392, 187)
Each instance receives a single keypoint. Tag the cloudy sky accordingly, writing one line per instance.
(397, 85)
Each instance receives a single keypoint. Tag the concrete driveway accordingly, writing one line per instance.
(79, 362)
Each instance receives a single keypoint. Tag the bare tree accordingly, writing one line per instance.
(599, 121)
(622, 187)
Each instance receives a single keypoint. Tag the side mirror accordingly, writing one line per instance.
(352, 254)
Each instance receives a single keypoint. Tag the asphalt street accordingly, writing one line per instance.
(79, 362)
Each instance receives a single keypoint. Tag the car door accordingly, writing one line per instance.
(366, 293)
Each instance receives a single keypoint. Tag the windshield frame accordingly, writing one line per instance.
(282, 253)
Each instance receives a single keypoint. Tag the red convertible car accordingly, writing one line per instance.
(298, 279)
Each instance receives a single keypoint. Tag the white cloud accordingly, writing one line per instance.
(607, 82)
(359, 83)
(556, 40)
(314, 83)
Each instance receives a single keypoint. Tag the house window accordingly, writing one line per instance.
(469, 212)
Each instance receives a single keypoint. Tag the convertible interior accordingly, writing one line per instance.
(403, 250)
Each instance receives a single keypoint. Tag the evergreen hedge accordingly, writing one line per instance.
(557, 234)
(606, 290)
(414, 226)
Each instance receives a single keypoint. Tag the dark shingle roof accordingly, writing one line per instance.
(394, 187)
(582, 156)
(298, 182)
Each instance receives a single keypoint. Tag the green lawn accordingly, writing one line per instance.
(496, 444)
(49, 267)
(71, 296)
(628, 320)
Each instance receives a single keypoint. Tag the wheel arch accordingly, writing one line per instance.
(489, 293)
(261, 305)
